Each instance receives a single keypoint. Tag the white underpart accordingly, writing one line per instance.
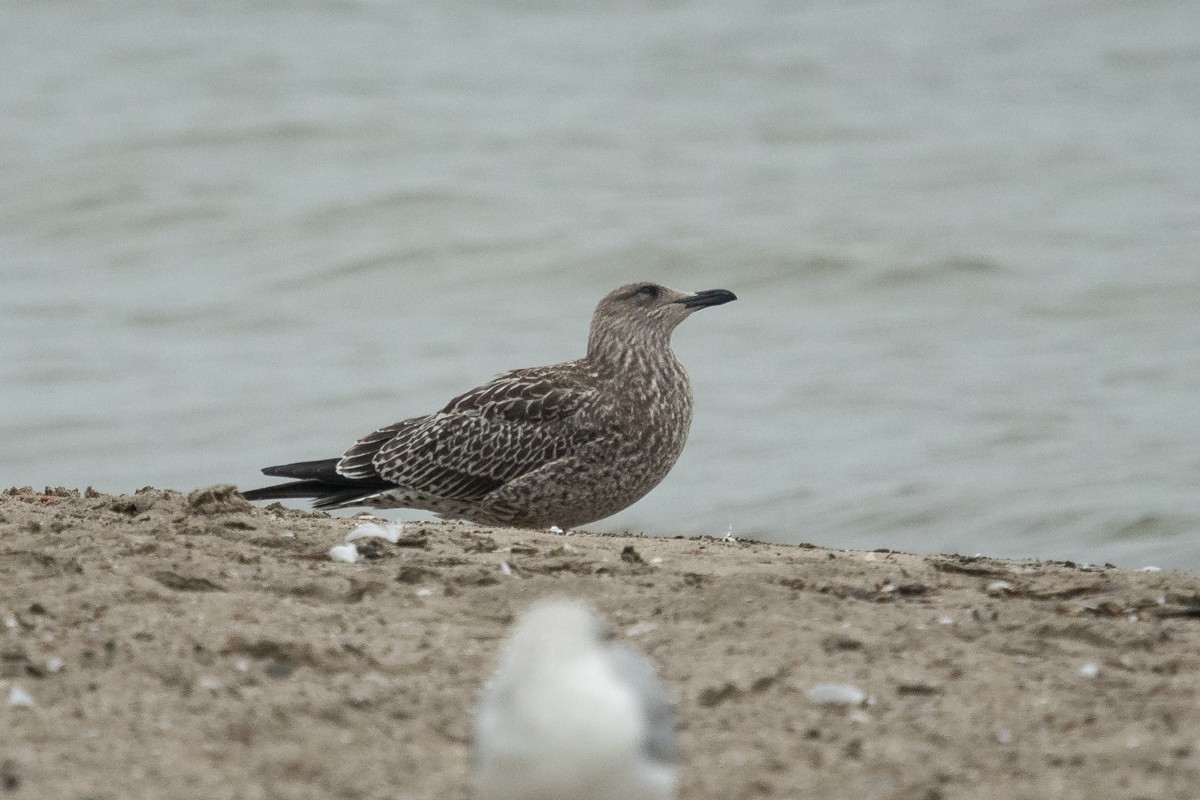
(559, 720)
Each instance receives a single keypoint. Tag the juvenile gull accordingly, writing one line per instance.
(560, 445)
(568, 716)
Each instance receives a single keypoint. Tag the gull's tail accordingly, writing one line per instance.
(320, 481)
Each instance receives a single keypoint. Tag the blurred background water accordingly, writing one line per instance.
(964, 237)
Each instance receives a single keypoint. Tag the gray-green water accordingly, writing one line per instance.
(964, 236)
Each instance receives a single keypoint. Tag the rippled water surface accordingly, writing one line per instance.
(965, 242)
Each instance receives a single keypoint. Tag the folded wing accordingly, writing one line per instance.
(481, 440)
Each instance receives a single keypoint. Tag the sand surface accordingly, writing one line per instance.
(191, 646)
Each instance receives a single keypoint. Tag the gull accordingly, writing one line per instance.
(561, 445)
(568, 716)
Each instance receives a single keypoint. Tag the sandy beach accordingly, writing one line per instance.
(168, 645)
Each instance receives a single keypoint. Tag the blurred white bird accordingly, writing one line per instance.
(568, 716)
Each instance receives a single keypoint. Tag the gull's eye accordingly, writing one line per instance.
(648, 289)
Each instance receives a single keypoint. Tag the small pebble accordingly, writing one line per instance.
(638, 628)
(280, 668)
(505, 568)
(19, 698)
(836, 694)
(1090, 670)
(424, 591)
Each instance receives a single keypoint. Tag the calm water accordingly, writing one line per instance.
(965, 241)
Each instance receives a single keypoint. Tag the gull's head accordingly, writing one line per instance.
(646, 313)
(555, 630)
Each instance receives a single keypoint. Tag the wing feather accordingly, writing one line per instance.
(482, 439)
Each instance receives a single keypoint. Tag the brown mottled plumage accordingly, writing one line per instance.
(560, 445)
